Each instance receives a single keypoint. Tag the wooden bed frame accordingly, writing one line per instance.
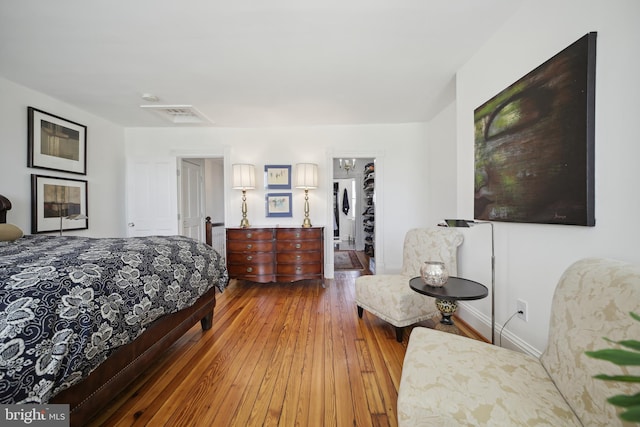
(87, 397)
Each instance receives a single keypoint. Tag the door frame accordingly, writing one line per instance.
(206, 153)
(378, 157)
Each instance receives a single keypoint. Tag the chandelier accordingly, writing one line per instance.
(347, 164)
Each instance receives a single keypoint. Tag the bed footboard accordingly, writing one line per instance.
(129, 361)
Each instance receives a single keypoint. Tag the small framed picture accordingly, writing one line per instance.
(58, 204)
(278, 204)
(277, 177)
(56, 143)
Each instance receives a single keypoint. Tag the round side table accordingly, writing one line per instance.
(456, 289)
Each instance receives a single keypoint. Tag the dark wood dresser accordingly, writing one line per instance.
(279, 254)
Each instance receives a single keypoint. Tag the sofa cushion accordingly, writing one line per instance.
(449, 380)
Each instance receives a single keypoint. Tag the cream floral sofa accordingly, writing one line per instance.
(449, 380)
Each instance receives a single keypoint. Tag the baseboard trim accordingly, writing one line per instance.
(468, 331)
(482, 323)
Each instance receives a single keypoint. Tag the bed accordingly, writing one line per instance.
(81, 317)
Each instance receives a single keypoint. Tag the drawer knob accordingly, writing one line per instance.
(298, 269)
(298, 245)
(249, 258)
(297, 234)
(249, 235)
(249, 269)
(298, 257)
(249, 246)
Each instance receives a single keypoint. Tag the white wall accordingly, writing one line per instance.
(531, 257)
(400, 149)
(442, 172)
(105, 161)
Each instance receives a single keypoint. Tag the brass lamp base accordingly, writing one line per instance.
(306, 223)
(244, 223)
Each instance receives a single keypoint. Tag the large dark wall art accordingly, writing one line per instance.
(534, 144)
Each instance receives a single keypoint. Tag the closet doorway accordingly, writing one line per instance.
(353, 213)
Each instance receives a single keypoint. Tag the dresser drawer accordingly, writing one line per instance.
(282, 278)
(298, 257)
(250, 258)
(249, 270)
(299, 245)
(298, 269)
(250, 246)
(298, 233)
(250, 234)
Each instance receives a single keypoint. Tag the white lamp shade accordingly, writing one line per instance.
(244, 177)
(306, 175)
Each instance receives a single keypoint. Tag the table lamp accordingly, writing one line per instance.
(306, 177)
(244, 178)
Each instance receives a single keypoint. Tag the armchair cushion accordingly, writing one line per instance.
(389, 297)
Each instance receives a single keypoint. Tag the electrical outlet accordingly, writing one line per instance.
(523, 310)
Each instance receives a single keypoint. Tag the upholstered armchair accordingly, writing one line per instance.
(389, 297)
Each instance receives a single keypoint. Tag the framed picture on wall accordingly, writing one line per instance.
(535, 144)
(278, 204)
(56, 143)
(277, 177)
(58, 204)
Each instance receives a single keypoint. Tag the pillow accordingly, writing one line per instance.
(9, 232)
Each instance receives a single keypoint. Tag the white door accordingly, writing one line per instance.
(191, 213)
(152, 207)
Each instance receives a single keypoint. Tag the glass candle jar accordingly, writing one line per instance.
(434, 273)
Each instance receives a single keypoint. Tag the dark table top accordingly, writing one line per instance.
(456, 288)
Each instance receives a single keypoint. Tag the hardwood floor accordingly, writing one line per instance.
(278, 354)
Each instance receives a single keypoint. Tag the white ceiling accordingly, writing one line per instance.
(248, 63)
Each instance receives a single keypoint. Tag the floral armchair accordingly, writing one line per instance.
(389, 297)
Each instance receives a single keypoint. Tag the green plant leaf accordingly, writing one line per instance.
(622, 358)
(619, 357)
(625, 378)
(625, 401)
(632, 344)
(632, 414)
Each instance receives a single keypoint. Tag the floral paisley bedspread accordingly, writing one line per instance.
(66, 303)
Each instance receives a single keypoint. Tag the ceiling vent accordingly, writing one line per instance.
(178, 114)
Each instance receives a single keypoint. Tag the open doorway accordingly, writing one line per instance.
(353, 213)
(201, 196)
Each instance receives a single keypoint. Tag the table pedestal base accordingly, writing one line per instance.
(446, 308)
